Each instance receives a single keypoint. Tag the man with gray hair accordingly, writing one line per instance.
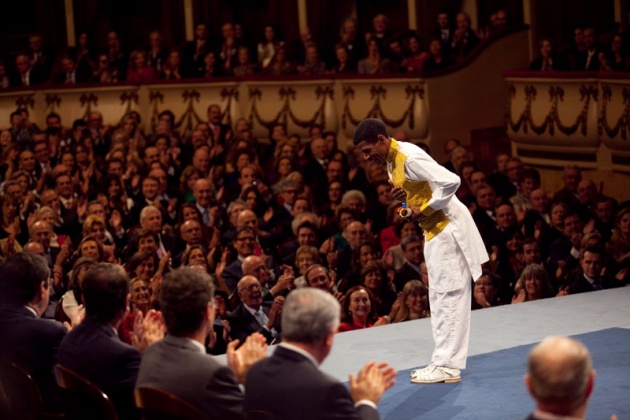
(290, 385)
(560, 377)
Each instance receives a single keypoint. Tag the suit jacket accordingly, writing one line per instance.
(290, 386)
(404, 274)
(232, 274)
(94, 351)
(243, 323)
(316, 178)
(175, 365)
(32, 343)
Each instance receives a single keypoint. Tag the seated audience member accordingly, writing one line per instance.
(244, 242)
(464, 38)
(375, 62)
(413, 302)
(549, 60)
(253, 314)
(437, 59)
(179, 364)
(290, 385)
(72, 301)
(257, 267)
(560, 378)
(589, 277)
(94, 350)
(413, 251)
(618, 247)
(27, 340)
(357, 310)
(486, 291)
(374, 279)
(414, 62)
(568, 193)
(532, 285)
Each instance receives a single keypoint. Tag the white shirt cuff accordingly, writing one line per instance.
(365, 402)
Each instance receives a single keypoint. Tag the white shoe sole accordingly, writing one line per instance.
(436, 380)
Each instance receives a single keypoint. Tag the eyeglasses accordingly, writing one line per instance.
(250, 288)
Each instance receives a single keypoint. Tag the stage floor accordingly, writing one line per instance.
(409, 344)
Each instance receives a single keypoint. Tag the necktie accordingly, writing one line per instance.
(24, 80)
(206, 217)
(261, 317)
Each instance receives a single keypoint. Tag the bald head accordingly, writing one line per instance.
(202, 191)
(247, 218)
(354, 233)
(560, 376)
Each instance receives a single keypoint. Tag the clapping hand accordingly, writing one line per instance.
(253, 349)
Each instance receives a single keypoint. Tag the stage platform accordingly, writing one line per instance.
(492, 385)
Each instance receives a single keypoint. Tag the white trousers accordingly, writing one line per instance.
(450, 299)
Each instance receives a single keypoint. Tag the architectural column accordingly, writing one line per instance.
(302, 16)
(619, 12)
(188, 20)
(70, 23)
(528, 18)
(412, 15)
(470, 8)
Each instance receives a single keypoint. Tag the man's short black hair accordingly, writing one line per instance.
(79, 123)
(184, 296)
(21, 277)
(368, 130)
(105, 289)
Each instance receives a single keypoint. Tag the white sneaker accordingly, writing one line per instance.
(435, 374)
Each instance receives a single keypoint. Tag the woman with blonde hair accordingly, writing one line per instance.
(532, 285)
(413, 302)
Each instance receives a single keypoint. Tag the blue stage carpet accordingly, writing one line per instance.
(492, 386)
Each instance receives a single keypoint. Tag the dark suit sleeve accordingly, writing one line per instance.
(337, 404)
(224, 398)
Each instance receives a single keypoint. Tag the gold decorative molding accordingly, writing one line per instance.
(377, 93)
(622, 126)
(552, 119)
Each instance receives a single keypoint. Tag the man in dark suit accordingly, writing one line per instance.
(289, 384)
(558, 394)
(70, 74)
(315, 175)
(26, 74)
(244, 240)
(253, 314)
(27, 340)
(219, 133)
(588, 59)
(93, 349)
(412, 248)
(179, 364)
(589, 278)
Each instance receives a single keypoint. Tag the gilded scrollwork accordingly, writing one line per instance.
(229, 94)
(155, 99)
(288, 95)
(552, 121)
(623, 123)
(25, 101)
(189, 118)
(52, 101)
(87, 100)
(377, 94)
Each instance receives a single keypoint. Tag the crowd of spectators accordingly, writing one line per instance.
(380, 50)
(264, 219)
(589, 51)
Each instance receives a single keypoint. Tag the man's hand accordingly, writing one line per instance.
(253, 349)
(275, 312)
(371, 382)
